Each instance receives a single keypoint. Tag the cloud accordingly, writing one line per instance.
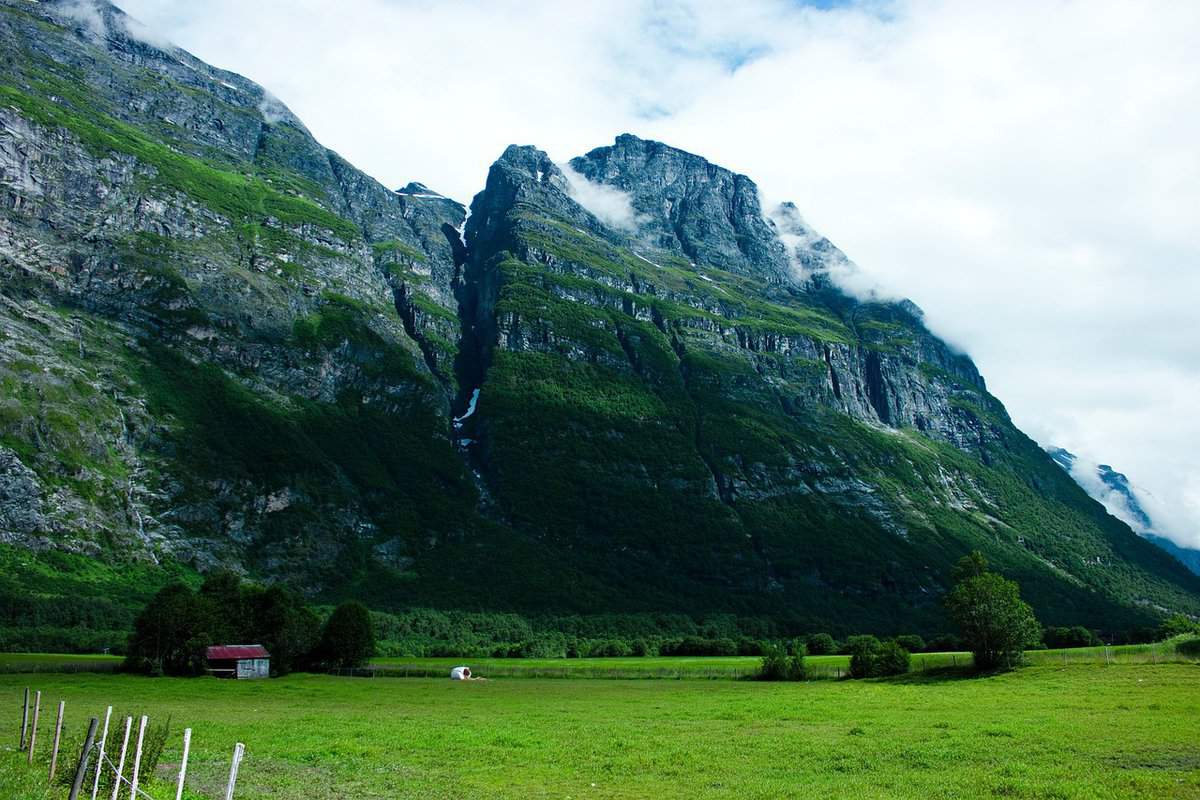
(84, 13)
(89, 15)
(813, 256)
(609, 204)
(1026, 172)
(273, 111)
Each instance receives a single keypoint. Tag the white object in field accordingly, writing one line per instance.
(460, 674)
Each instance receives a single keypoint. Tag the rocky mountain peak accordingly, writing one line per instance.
(690, 206)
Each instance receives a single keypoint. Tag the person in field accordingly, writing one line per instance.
(463, 674)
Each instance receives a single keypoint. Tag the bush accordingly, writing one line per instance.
(911, 642)
(749, 647)
(820, 644)
(864, 650)
(1177, 625)
(613, 648)
(944, 643)
(892, 659)
(1189, 648)
(777, 665)
(1077, 636)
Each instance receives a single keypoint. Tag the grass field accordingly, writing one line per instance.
(58, 662)
(678, 667)
(1081, 731)
(672, 667)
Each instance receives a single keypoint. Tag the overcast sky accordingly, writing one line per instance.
(1028, 173)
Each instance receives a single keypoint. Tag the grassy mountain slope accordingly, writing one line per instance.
(220, 344)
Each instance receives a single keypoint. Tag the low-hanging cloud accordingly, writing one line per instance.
(1025, 172)
(89, 15)
(272, 109)
(609, 204)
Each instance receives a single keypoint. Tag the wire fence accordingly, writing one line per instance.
(93, 773)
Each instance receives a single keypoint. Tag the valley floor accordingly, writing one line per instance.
(1080, 731)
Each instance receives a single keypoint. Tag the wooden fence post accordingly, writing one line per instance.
(62, 705)
(121, 759)
(100, 754)
(238, 750)
(81, 770)
(187, 744)
(37, 709)
(137, 757)
(25, 719)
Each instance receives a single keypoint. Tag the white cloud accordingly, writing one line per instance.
(85, 13)
(609, 204)
(272, 110)
(1026, 171)
(89, 15)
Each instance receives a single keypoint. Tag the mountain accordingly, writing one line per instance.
(615, 386)
(1120, 497)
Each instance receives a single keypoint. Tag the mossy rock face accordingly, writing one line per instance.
(223, 345)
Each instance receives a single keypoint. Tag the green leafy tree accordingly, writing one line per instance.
(171, 633)
(1177, 625)
(283, 624)
(997, 625)
(820, 644)
(911, 642)
(348, 638)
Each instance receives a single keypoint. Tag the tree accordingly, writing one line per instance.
(1176, 625)
(911, 642)
(283, 624)
(348, 638)
(171, 633)
(997, 625)
(969, 566)
(1077, 636)
(820, 644)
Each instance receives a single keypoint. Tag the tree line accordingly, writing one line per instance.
(172, 633)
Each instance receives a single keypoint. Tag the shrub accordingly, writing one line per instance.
(1189, 648)
(864, 650)
(612, 648)
(778, 665)
(1177, 625)
(749, 647)
(944, 643)
(892, 659)
(911, 642)
(1077, 636)
(820, 644)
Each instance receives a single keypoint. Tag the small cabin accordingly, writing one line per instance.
(239, 661)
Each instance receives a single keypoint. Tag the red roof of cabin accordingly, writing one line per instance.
(223, 652)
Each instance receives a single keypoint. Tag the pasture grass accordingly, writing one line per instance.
(1080, 731)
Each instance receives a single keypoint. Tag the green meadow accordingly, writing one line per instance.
(1082, 730)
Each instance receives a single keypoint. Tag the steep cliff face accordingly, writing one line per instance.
(220, 343)
(665, 393)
